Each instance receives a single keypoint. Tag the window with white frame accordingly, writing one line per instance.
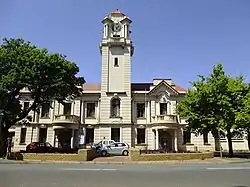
(67, 108)
(26, 105)
(45, 110)
(90, 110)
(115, 107)
(140, 107)
(23, 135)
(163, 108)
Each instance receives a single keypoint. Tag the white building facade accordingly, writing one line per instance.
(116, 109)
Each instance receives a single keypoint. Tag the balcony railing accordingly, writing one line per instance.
(165, 119)
(66, 118)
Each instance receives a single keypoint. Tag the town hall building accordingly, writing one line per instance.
(117, 109)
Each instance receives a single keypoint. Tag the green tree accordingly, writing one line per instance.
(46, 75)
(243, 117)
(214, 104)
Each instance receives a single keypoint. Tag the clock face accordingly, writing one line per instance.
(116, 27)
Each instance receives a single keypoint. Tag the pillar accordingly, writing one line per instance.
(175, 140)
(157, 138)
(72, 139)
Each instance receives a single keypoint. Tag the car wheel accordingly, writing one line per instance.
(125, 153)
(104, 153)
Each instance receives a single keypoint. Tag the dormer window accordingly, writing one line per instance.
(116, 64)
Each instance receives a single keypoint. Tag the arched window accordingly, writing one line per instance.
(115, 107)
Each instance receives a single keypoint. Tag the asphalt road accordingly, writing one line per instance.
(138, 175)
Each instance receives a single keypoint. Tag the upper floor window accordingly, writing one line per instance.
(163, 108)
(67, 108)
(26, 105)
(90, 110)
(45, 110)
(115, 107)
(116, 64)
(140, 110)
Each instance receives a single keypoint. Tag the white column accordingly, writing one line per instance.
(148, 112)
(121, 133)
(169, 112)
(72, 139)
(56, 144)
(175, 140)
(157, 139)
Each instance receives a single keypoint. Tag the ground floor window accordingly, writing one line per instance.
(12, 136)
(89, 135)
(115, 134)
(186, 137)
(205, 138)
(23, 135)
(141, 135)
(42, 134)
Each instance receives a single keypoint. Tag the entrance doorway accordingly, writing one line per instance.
(89, 135)
(165, 140)
(64, 137)
(115, 134)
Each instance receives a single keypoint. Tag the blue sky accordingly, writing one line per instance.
(175, 39)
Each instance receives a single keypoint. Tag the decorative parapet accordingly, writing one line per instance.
(164, 119)
(65, 118)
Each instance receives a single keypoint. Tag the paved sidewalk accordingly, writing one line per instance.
(109, 161)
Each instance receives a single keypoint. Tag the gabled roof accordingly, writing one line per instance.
(106, 19)
(163, 82)
(126, 19)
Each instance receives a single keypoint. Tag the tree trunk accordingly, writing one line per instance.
(230, 143)
(3, 141)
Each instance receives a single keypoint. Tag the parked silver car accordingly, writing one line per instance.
(116, 148)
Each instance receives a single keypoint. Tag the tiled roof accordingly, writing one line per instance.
(91, 87)
(134, 87)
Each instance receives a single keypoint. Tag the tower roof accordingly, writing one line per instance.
(117, 11)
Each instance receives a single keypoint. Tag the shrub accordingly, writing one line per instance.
(15, 156)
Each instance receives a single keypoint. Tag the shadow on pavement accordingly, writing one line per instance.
(236, 155)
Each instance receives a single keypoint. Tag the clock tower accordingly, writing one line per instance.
(116, 50)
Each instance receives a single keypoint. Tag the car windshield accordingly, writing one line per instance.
(48, 145)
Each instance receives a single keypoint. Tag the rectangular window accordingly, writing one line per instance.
(26, 105)
(23, 136)
(205, 138)
(45, 110)
(163, 108)
(140, 110)
(115, 134)
(141, 135)
(90, 110)
(116, 62)
(67, 109)
(186, 137)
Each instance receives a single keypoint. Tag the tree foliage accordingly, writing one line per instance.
(46, 75)
(215, 103)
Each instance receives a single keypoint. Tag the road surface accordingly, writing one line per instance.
(138, 175)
